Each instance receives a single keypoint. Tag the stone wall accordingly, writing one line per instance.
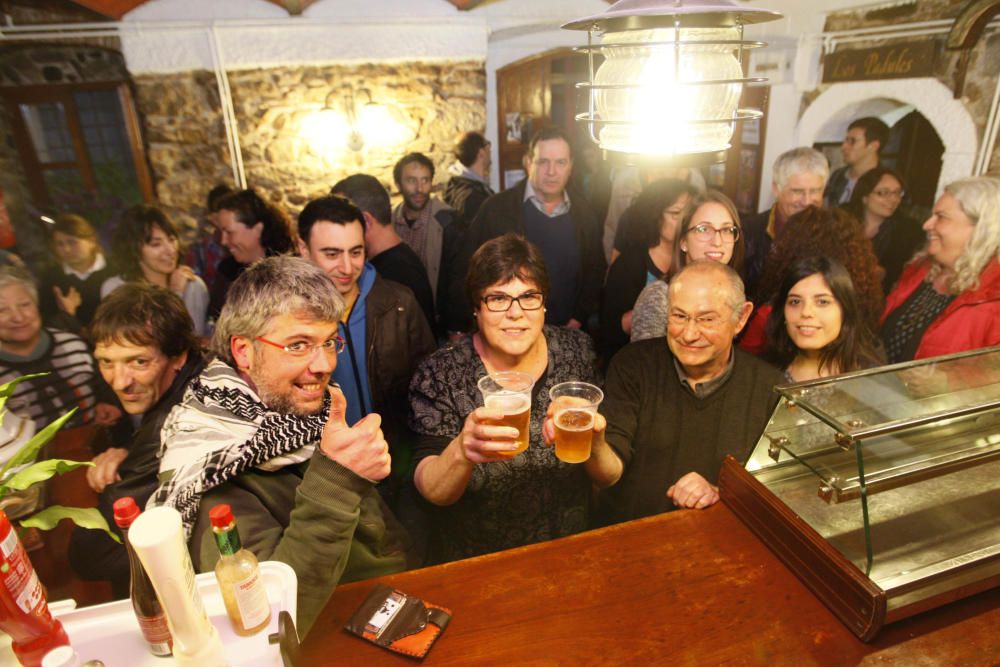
(185, 138)
(432, 103)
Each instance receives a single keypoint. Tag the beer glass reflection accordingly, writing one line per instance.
(509, 392)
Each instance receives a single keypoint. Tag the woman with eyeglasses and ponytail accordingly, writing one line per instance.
(484, 494)
(710, 230)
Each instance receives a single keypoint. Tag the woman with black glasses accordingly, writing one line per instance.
(895, 237)
(484, 497)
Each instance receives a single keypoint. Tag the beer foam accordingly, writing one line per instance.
(575, 420)
(509, 404)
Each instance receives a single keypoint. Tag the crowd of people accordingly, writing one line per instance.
(320, 374)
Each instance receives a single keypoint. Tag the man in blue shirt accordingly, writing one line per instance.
(545, 210)
(384, 329)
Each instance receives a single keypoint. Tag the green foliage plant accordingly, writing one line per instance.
(23, 470)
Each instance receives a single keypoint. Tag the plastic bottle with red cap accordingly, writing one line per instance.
(238, 573)
(24, 613)
(148, 610)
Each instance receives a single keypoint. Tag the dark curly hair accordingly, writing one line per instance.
(642, 220)
(820, 232)
(250, 208)
(135, 230)
(855, 347)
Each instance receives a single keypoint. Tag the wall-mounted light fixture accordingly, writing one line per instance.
(671, 79)
(356, 125)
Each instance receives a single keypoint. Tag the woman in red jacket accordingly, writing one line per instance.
(948, 299)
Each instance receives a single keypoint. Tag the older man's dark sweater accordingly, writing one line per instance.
(662, 431)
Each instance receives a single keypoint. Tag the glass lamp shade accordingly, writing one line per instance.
(661, 101)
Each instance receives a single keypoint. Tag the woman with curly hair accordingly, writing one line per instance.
(710, 230)
(649, 228)
(817, 232)
(948, 299)
(815, 329)
(895, 236)
(251, 228)
(146, 248)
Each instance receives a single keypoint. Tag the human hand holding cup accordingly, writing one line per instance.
(509, 393)
(574, 411)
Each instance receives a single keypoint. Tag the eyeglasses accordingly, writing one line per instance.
(706, 232)
(886, 192)
(681, 320)
(303, 349)
(501, 303)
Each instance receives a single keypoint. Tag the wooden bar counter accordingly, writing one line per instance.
(684, 588)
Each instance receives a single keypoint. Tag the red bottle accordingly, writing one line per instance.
(148, 611)
(24, 614)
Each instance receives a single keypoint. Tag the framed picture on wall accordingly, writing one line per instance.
(515, 127)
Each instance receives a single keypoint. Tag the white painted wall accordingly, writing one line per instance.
(930, 97)
(173, 35)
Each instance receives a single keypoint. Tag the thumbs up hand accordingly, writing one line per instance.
(361, 448)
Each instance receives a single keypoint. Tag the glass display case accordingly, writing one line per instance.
(881, 489)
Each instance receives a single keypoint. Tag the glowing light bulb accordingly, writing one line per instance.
(662, 97)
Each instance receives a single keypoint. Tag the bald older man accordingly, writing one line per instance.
(675, 407)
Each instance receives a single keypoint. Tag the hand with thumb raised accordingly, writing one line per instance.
(361, 448)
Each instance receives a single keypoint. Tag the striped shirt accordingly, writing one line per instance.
(70, 381)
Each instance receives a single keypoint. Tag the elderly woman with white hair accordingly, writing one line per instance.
(948, 299)
(27, 348)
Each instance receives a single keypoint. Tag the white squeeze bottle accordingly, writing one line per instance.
(157, 537)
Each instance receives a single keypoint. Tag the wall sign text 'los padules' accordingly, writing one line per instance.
(892, 61)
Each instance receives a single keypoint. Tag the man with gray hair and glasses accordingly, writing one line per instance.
(798, 181)
(262, 430)
(675, 407)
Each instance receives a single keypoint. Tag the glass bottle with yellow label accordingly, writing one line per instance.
(238, 573)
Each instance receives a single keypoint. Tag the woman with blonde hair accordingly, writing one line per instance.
(948, 299)
(70, 289)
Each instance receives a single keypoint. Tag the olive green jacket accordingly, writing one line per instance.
(320, 518)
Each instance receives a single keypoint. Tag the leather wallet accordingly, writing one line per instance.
(398, 622)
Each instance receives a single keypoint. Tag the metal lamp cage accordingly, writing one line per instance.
(631, 15)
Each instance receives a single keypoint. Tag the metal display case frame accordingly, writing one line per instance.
(880, 489)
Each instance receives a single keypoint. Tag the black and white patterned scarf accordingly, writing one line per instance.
(274, 443)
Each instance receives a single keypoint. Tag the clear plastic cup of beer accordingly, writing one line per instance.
(575, 408)
(509, 392)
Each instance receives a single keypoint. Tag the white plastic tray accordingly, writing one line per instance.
(110, 633)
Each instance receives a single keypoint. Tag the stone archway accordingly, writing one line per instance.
(929, 96)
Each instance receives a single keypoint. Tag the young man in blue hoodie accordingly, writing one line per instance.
(385, 331)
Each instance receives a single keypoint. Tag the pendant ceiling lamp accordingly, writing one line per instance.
(671, 78)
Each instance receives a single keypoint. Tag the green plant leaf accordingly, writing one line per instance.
(39, 472)
(7, 389)
(88, 517)
(29, 451)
